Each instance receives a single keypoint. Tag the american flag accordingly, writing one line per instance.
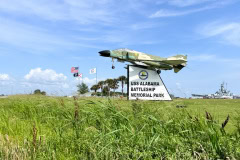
(74, 70)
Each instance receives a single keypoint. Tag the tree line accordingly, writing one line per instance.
(109, 87)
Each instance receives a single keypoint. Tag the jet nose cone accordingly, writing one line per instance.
(105, 53)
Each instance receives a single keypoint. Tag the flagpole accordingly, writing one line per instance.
(96, 75)
(82, 79)
(78, 76)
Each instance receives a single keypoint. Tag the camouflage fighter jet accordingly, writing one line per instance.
(144, 60)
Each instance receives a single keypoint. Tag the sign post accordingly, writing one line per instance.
(145, 84)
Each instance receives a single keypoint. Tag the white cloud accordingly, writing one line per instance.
(47, 76)
(202, 57)
(86, 80)
(214, 58)
(65, 85)
(32, 38)
(189, 3)
(82, 24)
(180, 91)
(38, 34)
(174, 13)
(4, 77)
(6, 81)
(184, 3)
(89, 81)
(171, 13)
(142, 26)
(228, 33)
(122, 39)
(46, 9)
(83, 11)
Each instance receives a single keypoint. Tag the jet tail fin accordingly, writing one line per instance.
(178, 62)
(178, 67)
(178, 57)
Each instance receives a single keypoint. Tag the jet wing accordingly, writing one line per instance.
(158, 64)
(177, 63)
(172, 60)
(162, 65)
(139, 63)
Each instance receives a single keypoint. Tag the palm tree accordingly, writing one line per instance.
(123, 81)
(114, 85)
(109, 83)
(94, 88)
(100, 85)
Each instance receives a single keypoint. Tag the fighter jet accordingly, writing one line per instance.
(144, 60)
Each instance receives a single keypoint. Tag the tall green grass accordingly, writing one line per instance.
(39, 127)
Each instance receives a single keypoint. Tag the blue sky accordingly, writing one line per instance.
(40, 40)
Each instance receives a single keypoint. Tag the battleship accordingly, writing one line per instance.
(222, 93)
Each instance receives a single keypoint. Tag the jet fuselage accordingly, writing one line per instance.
(143, 59)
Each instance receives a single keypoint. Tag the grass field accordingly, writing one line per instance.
(40, 127)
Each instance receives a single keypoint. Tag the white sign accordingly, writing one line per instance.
(145, 84)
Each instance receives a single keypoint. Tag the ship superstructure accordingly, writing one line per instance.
(222, 93)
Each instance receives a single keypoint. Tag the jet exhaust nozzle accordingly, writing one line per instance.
(105, 53)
